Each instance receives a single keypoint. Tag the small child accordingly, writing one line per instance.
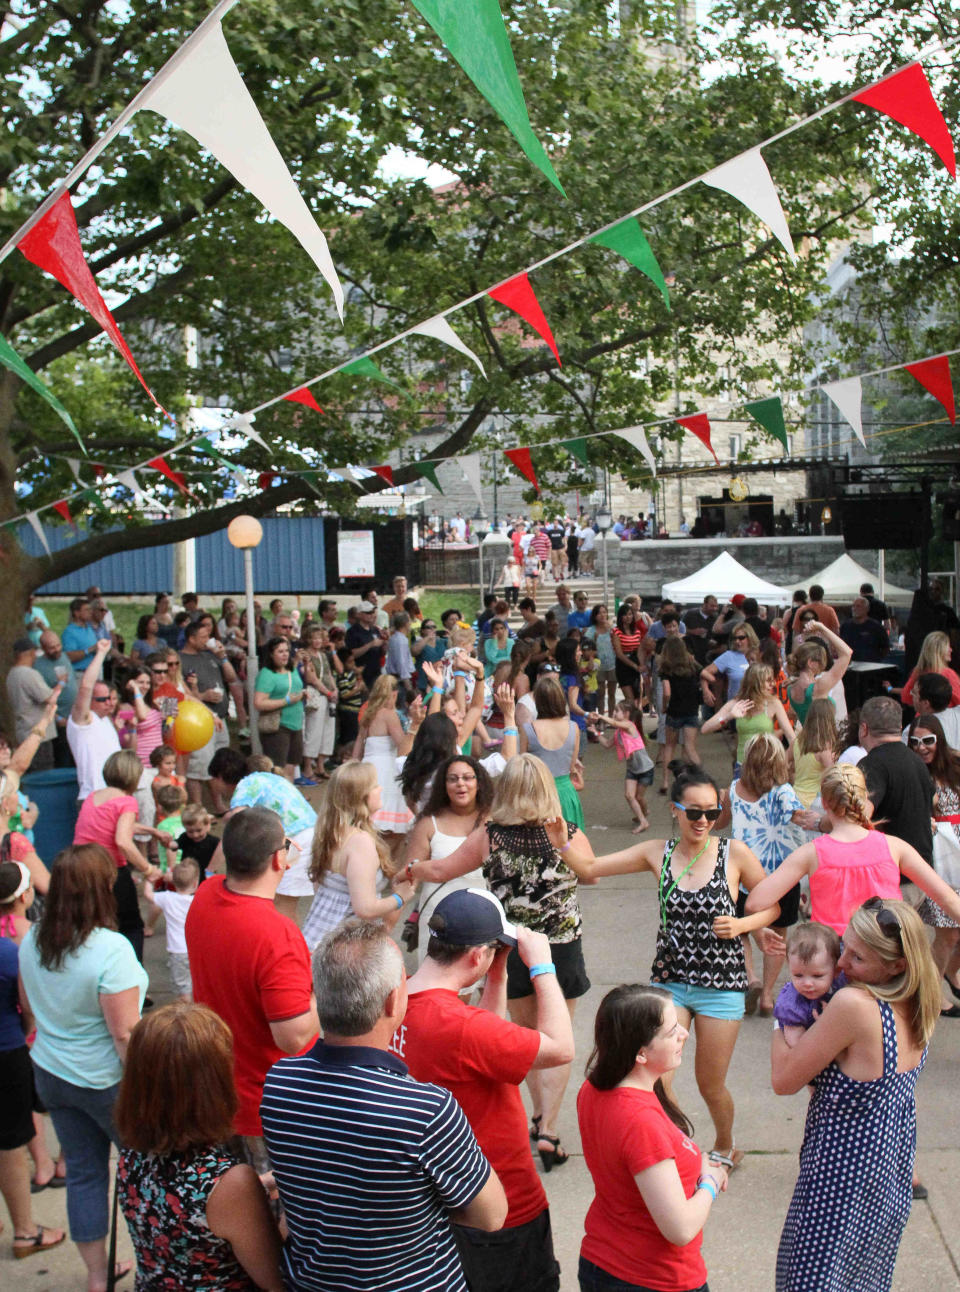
(171, 800)
(197, 843)
(812, 954)
(164, 759)
(175, 906)
(626, 737)
(589, 676)
(350, 692)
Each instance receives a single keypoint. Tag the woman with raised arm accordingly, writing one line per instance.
(863, 1055)
(814, 674)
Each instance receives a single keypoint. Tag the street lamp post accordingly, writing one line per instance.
(245, 533)
(481, 528)
(604, 521)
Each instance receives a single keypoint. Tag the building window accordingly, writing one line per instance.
(736, 444)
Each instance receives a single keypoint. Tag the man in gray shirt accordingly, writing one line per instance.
(203, 676)
(562, 608)
(28, 694)
(55, 668)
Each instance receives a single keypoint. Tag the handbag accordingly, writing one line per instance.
(410, 934)
(269, 722)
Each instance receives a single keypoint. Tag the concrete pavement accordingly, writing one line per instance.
(743, 1229)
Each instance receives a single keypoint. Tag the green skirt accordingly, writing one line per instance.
(570, 804)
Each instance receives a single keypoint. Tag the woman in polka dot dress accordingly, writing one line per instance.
(863, 1055)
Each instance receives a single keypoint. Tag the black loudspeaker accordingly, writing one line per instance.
(893, 520)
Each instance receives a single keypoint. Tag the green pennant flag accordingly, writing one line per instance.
(769, 413)
(578, 448)
(10, 359)
(220, 460)
(92, 498)
(476, 36)
(313, 480)
(367, 368)
(429, 472)
(629, 241)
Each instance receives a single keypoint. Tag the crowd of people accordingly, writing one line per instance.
(304, 1115)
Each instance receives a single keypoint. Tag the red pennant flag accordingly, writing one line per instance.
(519, 296)
(385, 473)
(266, 478)
(523, 462)
(176, 477)
(99, 470)
(907, 98)
(303, 396)
(699, 424)
(934, 376)
(63, 509)
(54, 245)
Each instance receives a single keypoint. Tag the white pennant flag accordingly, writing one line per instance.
(636, 436)
(74, 465)
(470, 466)
(748, 180)
(244, 425)
(204, 95)
(847, 395)
(346, 475)
(441, 330)
(38, 530)
(129, 481)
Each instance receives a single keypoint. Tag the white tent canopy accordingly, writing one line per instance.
(841, 581)
(724, 578)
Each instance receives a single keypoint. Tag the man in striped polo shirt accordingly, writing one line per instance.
(371, 1165)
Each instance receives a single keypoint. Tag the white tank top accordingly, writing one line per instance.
(442, 845)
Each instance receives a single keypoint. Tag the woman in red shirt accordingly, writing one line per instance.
(627, 636)
(654, 1188)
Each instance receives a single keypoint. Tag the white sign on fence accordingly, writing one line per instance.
(355, 553)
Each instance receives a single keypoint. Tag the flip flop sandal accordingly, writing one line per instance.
(30, 1244)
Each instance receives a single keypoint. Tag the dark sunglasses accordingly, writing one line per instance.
(159, 670)
(100, 699)
(695, 813)
(886, 919)
(740, 639)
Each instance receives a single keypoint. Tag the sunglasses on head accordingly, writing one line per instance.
(924, 742)
(886, 919)
(695, 813)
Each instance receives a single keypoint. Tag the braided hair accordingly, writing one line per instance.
(843, 791)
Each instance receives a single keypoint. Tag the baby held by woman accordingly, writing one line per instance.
(812, 954)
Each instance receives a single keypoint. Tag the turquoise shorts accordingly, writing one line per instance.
(709, 1001)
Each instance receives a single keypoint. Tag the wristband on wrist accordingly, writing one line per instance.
(510, 731)
(398, 899)
(436, 690)
(537, 970)
(708, 1186)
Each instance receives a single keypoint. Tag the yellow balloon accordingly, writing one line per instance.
(192, 727)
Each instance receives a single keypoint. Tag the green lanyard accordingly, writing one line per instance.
(664, 897)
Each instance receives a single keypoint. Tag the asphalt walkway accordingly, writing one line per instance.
(743, 1229)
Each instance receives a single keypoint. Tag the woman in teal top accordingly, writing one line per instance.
(807, 665)
(497, 648)
(279, 689)
(85, 988)
(756, 708)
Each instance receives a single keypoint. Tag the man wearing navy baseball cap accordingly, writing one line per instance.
(481, 1058)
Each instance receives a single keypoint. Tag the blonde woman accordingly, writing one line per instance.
(814, 750)
(731, 665)
(350, 861)
(521, 849)
(863, 1055)
(851, 861)
(934, 657)
(382, 740)
(814, 674)
(767, 714)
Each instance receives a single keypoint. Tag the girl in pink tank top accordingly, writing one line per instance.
(852, 862)
(847, 873)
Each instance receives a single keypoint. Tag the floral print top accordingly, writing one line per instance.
(164, 1200)
(533, 883)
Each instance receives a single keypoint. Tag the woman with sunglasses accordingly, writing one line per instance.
(851, 861)
(699, 957)
(732, 664)
(863, 1055)
(927, 741)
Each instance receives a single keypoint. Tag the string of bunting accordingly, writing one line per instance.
(182, 91)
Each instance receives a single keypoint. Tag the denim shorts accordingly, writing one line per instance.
(684, 720)
(712, 1002)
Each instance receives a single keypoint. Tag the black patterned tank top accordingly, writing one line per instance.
(688, 950)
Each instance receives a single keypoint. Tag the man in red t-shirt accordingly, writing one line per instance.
(250, 964)
(481, 1058)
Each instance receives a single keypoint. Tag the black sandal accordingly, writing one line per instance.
(31, 1244)
(535, 1126)
(553, 1156)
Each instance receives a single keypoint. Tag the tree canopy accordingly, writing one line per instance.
(179, 244)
